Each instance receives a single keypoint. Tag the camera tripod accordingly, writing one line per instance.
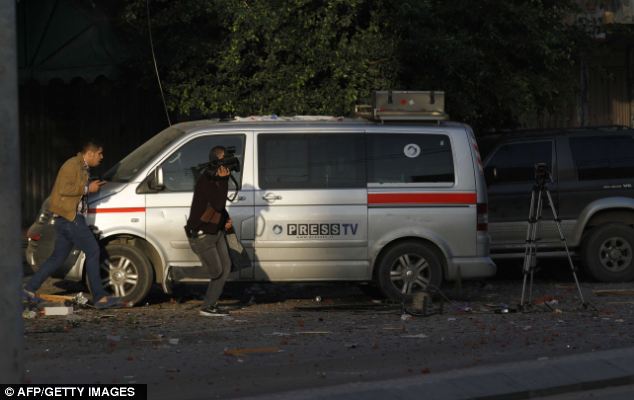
(539, 192)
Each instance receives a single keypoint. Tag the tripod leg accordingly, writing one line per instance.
(565, 242)
(538, 217)
(528, 250)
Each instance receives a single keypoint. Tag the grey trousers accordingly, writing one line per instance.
(213, 253)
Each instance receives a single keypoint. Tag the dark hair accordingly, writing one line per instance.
(212, 152)
(91, 144)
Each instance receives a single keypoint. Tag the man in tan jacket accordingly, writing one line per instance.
(69, 206)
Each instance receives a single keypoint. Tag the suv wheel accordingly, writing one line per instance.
(126, 273)
(608, 253)
(408, 268)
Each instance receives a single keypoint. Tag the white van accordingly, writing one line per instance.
(402, 204)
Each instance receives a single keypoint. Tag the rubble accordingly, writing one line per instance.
(56, 310)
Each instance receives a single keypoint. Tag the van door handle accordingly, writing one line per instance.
(271, 197)
(242, 198)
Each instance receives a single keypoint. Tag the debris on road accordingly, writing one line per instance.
(113, 338)
(393, 328)
(417, 336)
(55, 298)
(253, 350)
(80, 299)
(614, 292)
(371, 306)
(57, 310)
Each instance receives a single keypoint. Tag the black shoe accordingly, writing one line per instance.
(213, 311)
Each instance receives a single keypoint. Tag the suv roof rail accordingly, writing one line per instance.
(551, 131)
(403, 105)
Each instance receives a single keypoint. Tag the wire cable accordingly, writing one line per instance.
(158, 78)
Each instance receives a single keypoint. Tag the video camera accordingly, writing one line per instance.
(230, 161)
(542, 174)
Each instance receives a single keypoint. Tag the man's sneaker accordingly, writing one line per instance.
(212, 311)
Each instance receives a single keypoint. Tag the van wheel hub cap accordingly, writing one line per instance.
(410, 273)
(615, 254)
(119, 274)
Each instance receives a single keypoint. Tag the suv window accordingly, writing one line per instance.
(603, 157)
(180, 170)
(311, 161)
(409, 158)
(515, 162)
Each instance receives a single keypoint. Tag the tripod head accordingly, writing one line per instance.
(542, 175)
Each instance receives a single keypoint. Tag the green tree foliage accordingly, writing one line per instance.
(497, 60)
(261, 57)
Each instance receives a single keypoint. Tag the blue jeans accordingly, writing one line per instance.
(68, 234)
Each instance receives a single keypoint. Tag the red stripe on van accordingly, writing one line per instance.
(115, 210)
(422, 198)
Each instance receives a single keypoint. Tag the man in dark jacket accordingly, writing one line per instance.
(68, 204)
(206, 225)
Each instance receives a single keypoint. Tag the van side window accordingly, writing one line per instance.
(311, 161)
(603, 157)
(515, 162)
(407, 158)
(180, 170)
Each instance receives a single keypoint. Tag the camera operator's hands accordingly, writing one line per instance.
(228, 224)
(223, 171)
(95, 185)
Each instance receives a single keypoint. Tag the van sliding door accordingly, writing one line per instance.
(311, 206)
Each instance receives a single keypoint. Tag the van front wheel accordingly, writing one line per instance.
(126, 272)
(408, 268)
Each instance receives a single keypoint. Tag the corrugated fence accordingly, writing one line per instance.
(56, 118)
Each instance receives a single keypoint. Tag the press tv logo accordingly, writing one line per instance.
(318, 230)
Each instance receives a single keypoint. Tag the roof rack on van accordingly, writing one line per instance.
(403, 105)
(273, 117)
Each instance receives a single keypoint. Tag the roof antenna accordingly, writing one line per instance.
(158, 78)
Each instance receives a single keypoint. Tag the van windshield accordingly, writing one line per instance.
(126, 169)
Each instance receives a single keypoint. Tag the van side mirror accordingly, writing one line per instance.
(156, 181)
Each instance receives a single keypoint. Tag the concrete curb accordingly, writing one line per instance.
(518, 380)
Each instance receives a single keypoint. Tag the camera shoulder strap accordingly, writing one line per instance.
(235, 193)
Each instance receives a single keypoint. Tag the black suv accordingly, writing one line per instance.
(592, 187)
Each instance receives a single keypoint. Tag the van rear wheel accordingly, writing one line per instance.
(408, 268)
(126, 273)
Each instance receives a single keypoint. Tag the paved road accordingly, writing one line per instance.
(280, 343)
